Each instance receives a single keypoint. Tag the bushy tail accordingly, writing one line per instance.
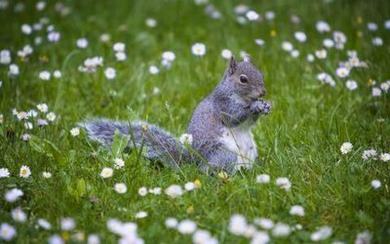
(158, 144)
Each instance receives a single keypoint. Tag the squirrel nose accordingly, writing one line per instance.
(261, 93)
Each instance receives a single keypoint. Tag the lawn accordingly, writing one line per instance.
(323, 95)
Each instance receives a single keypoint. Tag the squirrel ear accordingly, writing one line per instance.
(232, 66)
(247, 58)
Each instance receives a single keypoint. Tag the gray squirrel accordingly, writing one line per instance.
(220, 126)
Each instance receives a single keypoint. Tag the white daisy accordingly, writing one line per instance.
(294, 53)
(143, 191)
(371, 26)
(13, 70)
(110, 73)
(321, 234)
(376, 184)
(28, 125)
(297, 210)
(26, 29)
(351, 85)
(141, 215)
(385, 157)
(226, 54)
(281, 230)
(93, 239)
(174, 191)
(4, 173)
(7, 232)
(56, 239)
(22, 115)
(75, 131)
(169, 56)
(203, 237)
(67, 224)
(328, 43)
(387, 24)
(120, 188)
(119, 47)
(13, 195)
(260, 237)
(259, 42)
(186, 139)
(53, 36)
(119, 163)
(300, 36)
(43, 107)
(385, 86)
(189, 186)
(106, 172)
(376, 92)
(269, 15)
(340, 39)
(342, 72)
(42, 122)
(171, 223)
(154, 70)
(264, 223)
(287, 46)
(25, 171)
(322, 26)
(5, 57)
(369, 154)
(46, 174)
(346, 147)
(198, 49)
(18, 215)
(25, 137)
(283, 183)
(43, 223)
(252, 15)
(363, 237)
(150, 22)
(51, 116)
(377, 41)
(82, 43)
(186, 226)
(310, 58)
(120, 56)
(321, 54)
(105, 37)
(155, 190)
(238, 224)
(57, 74)
(263, 179)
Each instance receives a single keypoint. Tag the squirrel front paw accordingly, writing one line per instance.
(260, 106)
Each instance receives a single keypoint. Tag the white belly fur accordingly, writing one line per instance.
(239, 140)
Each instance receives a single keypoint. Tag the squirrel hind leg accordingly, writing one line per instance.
(223, 159)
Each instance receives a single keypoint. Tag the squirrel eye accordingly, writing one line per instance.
(244, 79)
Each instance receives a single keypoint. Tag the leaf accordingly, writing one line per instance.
(47, 148)
(36, 144)
(77, 190)
(81, 188)
(119, 143)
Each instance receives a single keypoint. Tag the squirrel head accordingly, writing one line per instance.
(244, 79)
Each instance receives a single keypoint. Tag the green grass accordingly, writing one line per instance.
(300, 139)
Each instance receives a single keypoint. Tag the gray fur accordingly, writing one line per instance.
(232, 103)
(229, 105)
(159, 145)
